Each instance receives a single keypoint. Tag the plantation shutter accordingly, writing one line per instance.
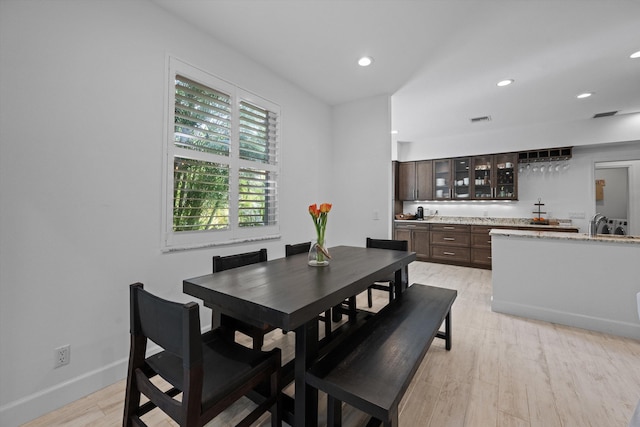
(257, 196)
(222, 162)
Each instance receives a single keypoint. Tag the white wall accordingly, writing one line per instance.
(361, 172)
(82, 99)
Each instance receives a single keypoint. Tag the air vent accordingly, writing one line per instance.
(607, 114)
(481, 119)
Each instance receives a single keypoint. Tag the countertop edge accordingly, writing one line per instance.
(565, 236)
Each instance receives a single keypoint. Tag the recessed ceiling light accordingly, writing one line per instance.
(584, 95)
(505, 82)
(635, 55)
(365, 61)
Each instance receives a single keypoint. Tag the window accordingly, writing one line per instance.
(222, 162)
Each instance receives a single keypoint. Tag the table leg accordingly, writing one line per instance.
(306, 397)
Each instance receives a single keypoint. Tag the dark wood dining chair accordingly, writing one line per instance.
(210, 372)
(387, 284)
(302, 248)
(229, 325)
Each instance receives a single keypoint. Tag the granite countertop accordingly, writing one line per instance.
(483, 220)
(566, 236)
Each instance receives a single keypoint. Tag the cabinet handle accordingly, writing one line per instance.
(449, 228)
(449, 238)
(489, 241)
(489, 257)
(448, 253)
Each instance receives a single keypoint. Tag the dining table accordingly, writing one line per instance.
(290, 294)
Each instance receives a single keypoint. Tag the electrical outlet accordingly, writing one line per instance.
(62, 355)
(576, 215)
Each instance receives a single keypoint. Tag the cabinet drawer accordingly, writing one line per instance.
(412, 226)
(481, 256)
(481, 228)
(480, 240)
(449, 253)
(450, 227)
(450, 239)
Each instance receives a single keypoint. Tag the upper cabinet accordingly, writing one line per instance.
(442, 178)
(415, 180)
(489, 177)
(495, 177)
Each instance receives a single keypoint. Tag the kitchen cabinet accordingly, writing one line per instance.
(481, 241)
(481, 246)
(451, 178)
(450, 243)
(495, 177)
(417, 235)
(415, 180)
(461, 178)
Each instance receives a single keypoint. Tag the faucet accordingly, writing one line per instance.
(595, 222)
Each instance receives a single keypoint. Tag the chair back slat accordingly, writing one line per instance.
(221, 263)
(298, 248)
(398, 245)
(173, 326)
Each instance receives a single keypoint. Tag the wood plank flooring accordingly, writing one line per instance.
(502, 371)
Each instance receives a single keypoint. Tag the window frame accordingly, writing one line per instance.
(183, 240)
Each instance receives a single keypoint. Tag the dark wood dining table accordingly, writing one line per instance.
(289, 294)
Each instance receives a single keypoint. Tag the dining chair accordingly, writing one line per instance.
(387, 284)
(210, 372)
(301, 248)
(229, 325)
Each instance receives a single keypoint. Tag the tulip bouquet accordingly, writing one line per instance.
(319, 255)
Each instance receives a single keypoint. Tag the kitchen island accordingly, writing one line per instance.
(568, 278)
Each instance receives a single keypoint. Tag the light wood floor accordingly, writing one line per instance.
(501, 371)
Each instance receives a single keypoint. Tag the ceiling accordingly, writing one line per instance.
(441, 59)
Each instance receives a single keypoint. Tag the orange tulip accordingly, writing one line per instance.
(325, 207)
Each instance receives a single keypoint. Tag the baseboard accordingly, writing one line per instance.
(607, 326)
(37, 404)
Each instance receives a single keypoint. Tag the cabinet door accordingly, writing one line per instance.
(461, 177)
(442, 179)
(506, 176)
(424, 180)
(404, 234)
(421, 244)
(407, 180)
(482, 177)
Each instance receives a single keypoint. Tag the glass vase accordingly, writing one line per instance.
(318, 254)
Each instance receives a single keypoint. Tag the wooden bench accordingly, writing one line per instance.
(372, 371)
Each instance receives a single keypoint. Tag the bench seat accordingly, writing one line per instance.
(372, 371)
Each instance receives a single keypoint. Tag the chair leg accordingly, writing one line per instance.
(369, 297)
(334, 412)
(258, 342)
(327, 323)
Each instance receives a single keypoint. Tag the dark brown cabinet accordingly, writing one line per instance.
(415, 180)
(495, 177)
(417, 235)
(489, 177)
(450, 243)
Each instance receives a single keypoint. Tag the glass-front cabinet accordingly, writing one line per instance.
(483, 177)
(461, 178)
(506, 178)
(494, 177)
(442, 178)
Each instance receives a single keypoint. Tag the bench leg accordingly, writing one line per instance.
(447, 330)
(334, 412)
